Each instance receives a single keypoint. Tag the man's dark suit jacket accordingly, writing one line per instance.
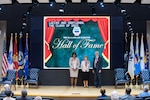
(24, 98)
(98, 64)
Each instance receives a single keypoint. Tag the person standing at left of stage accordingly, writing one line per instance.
(74, 64)
(85, 65)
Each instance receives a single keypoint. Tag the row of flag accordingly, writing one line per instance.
(137, 60)
(15, 59)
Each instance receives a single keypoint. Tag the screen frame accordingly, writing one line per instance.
(109, 34)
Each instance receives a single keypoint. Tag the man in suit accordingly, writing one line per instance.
(23, 96)
(127, 96)
(97, 67)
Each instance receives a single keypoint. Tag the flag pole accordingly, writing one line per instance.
(136, 82)
(131, 61)
(126, 54)
(136, 61)
(26, 59)
(131, 85)
(21, 67)
(136, 77)
(16, 59)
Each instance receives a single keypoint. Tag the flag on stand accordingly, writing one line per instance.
(126, 52)
(26, 60)
(147, 55)
(15, 55)
(142, 54)
(131, 59)
(20, 58)
(10, 55)
(136, 57)
(4, 58)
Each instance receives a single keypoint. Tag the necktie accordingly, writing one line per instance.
(96, 59)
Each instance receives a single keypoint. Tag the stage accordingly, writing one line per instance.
(68, 92)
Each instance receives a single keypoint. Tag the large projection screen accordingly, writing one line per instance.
(84, 35)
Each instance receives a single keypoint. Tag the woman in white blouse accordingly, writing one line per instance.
(74, 64)
(85, 66)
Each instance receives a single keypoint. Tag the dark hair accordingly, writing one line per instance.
(102, 90)
(128, 90)
(74, 54)
(24, 93)
(8, 93)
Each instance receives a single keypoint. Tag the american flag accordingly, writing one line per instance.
(4, 58)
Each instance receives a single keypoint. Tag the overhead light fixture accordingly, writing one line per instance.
(24, 24)
(128, 23)
(125, 14)
(29, 10)
(51, 3)
(1, 7)
(130, 29)
(61, 8)
(101, 4)
(92, 9)
(123, 10)
(93, 12)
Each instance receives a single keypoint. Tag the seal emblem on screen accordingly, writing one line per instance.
(76, 31)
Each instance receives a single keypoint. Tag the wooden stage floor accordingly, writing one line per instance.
(75, 92)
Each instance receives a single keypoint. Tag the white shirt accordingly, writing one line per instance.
(96, 59)
(9, 98)
(74, 63)
(85, 66)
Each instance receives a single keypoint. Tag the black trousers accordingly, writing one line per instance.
(97, 79)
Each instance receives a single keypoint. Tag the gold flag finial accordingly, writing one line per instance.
(11, 34)
(15, 34)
